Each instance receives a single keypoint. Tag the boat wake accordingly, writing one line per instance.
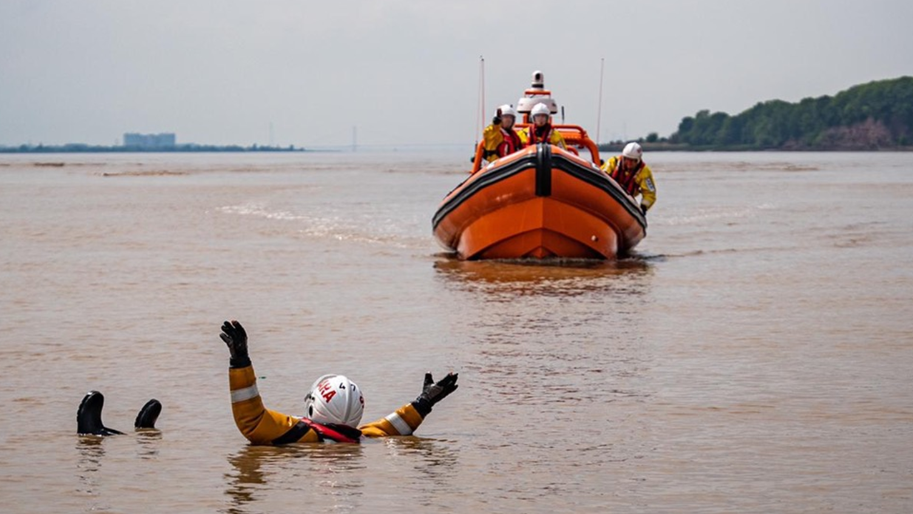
(713, 214)
(333, 227)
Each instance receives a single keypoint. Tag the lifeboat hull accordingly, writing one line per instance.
(542, 202)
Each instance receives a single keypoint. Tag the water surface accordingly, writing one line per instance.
(753, 356)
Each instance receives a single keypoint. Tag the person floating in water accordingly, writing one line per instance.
(333, 406)
(88, 416)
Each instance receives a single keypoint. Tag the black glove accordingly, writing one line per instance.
(497, 119)
(643, 209)
(235, 338)
(434, 392)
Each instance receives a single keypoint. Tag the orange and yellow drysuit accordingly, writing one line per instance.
(545, 134)
(262, 426)
(634, 182)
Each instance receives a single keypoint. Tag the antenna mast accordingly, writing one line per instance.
(599, 112)
(480, 120)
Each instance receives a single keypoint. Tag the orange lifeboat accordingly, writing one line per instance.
(540, 202)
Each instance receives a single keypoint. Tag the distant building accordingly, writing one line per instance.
(147, 141)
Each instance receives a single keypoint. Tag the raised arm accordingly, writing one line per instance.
(257, 423)
(406, 419)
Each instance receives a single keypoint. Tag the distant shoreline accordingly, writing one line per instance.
(81, 148)
(615, 147)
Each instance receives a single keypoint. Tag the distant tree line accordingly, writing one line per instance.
(868, 116)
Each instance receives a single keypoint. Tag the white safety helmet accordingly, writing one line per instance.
(540, 108)
(508, 110)
(633, 151)
(334, 399)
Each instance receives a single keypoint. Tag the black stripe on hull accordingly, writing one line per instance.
(603, 182)
(544, 161)
(543, 169)
(491, 177)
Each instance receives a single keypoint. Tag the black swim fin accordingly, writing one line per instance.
(148, 414)
(88, 417)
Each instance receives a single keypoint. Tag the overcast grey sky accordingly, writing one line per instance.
(225, 71)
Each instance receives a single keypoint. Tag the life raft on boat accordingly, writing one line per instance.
(540, 202)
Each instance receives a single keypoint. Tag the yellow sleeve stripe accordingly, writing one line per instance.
(399, 424)
(241, 395)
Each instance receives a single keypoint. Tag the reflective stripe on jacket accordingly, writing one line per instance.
(638, 181)
(262, 426)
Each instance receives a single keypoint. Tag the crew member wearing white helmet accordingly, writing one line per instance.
(635, 177)
(333, 405)
(541, 131)
(500, 137)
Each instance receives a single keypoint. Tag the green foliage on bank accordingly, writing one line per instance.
(868, 116)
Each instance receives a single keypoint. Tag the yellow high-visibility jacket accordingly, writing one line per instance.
(554, 137)
(639, 181)
(262, 426)
(494, 138)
